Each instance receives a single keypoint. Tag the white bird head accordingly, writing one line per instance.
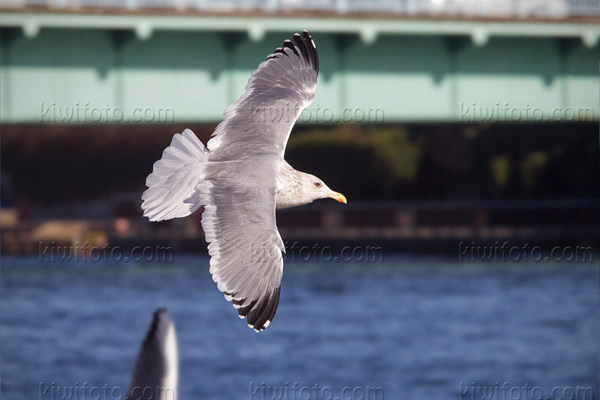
(314, 188)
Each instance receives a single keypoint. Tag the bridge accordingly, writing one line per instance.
(165, 61)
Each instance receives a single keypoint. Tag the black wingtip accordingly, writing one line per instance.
(309, 43)
(289, 45)
(303, 46)
(260, 313)
(279, 50)
(260, 318)
(299, 43)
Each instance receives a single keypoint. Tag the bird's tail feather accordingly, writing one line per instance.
(172, 184)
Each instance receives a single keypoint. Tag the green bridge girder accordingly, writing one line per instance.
(72, 68)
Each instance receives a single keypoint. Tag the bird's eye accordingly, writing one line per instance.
(318, 184)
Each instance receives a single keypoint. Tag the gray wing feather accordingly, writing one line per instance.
(245, 246)
(156, 365)
(277, 92)
(246, 152)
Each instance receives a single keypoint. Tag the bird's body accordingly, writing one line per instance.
(241, 177)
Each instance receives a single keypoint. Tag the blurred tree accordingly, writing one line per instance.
(370, 162)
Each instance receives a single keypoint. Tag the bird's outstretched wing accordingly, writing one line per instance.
(246, 154)
(156, 369)
(280, 88)
(245, 246)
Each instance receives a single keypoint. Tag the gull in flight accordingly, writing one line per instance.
(241, 177)
(156, 370)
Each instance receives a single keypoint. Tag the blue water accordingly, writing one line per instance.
(414, 327)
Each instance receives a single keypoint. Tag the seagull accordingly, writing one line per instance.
(157, 367)
(241, 177)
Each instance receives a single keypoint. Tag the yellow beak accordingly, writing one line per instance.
(338, 196)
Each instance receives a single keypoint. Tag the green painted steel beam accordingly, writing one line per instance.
(73, 68)
(257, 27)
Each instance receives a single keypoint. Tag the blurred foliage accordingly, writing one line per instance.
(365, 162)
(392, 148)
(532, 167)
(380, 159)
(432, 161)
(500, 166)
